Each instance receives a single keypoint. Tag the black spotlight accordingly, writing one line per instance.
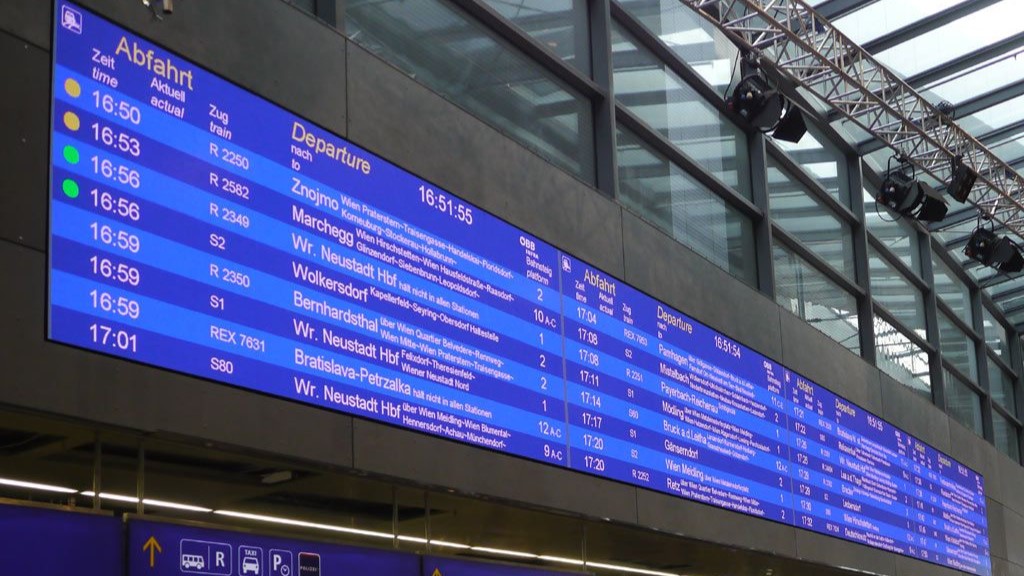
(994, 251)
(931, 206)
(757, 102)
(897, 192)
(792, 127)
(904, 194)
(763, 108)
(961, 181)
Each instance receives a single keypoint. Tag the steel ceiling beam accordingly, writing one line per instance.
(974, 58)
(1016, 162)
(953, 218)
(833, 9)
(947, 69)
(989, 99)
(1000, 277)
(801, 49)
(1008, 293)
(1013, 310)
(995, 136)
(925, 25)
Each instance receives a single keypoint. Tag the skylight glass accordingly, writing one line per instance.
(994, 117)
(964, 35)
(995, 74)
(885, 16)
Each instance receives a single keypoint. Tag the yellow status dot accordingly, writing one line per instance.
(71, 121)
(72, 87)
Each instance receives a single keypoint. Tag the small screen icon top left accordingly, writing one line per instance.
(71, 19)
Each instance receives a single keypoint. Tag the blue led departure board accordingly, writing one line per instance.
(197, 227)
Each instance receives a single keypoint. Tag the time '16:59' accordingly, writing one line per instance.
(119, 305)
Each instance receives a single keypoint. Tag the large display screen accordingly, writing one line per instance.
(198, 227)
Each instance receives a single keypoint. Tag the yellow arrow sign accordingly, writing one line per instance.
(152, 546)
(437, 572)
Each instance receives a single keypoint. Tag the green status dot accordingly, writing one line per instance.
(70, 188)
(71, 154)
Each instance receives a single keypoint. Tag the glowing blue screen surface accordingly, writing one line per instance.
(198, 227)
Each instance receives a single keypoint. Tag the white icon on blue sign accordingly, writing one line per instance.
(71, 19)
(202, 557)
(280, 563)
(192, 562)
(566, 264)
(250, 561)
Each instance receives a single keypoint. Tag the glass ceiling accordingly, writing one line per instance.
(966, 52)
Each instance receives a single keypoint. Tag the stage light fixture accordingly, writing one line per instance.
(961, 181)
(756, 101)
(995, 251)
(897, 192)
(902, 193)
(764, 107)
(792, 126)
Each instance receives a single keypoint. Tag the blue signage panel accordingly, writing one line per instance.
(441, 566)
(160, 549)
(42, 541)
(198, 227)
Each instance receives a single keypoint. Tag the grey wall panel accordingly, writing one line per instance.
(677, 516)
(267, 46)
(1001, 567)
(24, 116)
(395, 117)
(806, 350)
(53, 378)
(997, 538)
(1013, 481)
(27, 19)
(822, 549)
(658, 264)
(1014, 524)
(908, 410)
(394, 452)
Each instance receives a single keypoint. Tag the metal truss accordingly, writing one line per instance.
(802, 48)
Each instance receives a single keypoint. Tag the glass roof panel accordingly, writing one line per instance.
(1011, 302)
(993, 281)
(979, 29)
(957, 231)
(995, 116)
(884, 16)
(1014, 284)
(1010, 150)
(1016, 318)
(989, 76)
